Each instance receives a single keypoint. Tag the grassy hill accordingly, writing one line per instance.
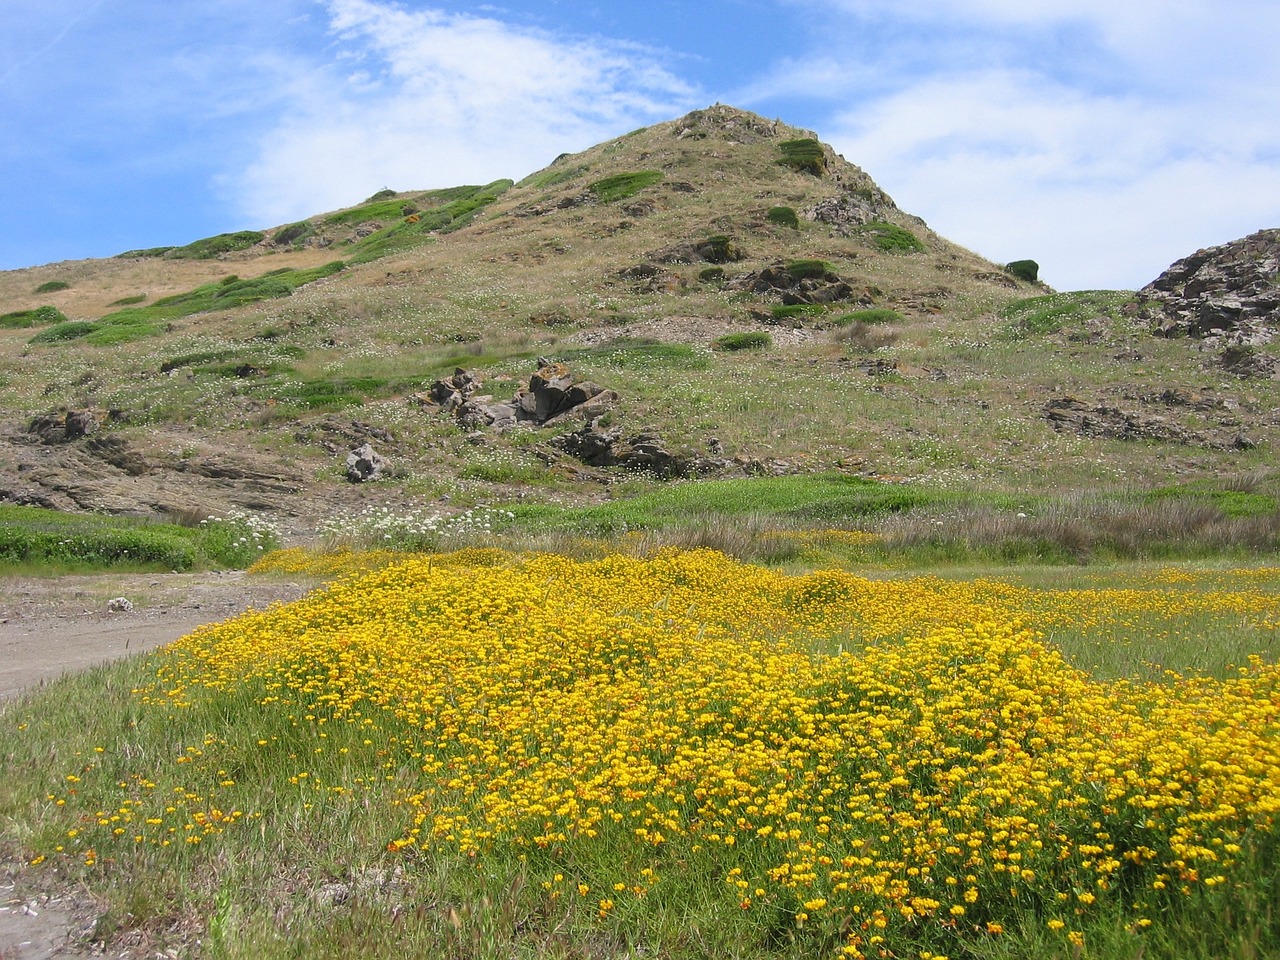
(238, 371)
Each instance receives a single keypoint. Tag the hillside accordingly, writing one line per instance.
(240, 371)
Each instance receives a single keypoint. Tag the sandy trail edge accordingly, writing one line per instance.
(50, 628)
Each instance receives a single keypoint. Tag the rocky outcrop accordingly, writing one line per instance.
(71, 425)
(600, 446)
(1073, 415)
(794, 287)
(551, 393)
(1229, 294)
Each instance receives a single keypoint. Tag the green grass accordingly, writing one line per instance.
(205, 249)
(34, 540)
(1051, 313)
(552, 176)
(38, 317)
(623, 185)
(130, 300)
(809, 269)
(134, 323)
(53, 286)
(448, 216)
(792, 311)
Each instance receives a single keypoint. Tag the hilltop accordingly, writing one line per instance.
(742, 299)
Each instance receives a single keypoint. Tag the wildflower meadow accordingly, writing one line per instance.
(684, 755)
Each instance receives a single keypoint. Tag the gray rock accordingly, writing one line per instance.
(365, 463)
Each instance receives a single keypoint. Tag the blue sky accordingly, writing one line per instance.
(1103, 139)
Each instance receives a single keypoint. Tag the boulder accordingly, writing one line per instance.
(364, 463)
(552, 392)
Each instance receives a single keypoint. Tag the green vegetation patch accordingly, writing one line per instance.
(1051, 313)
(39, 317)
(137, 322)
(891, 238)
(809, 269)
(144, 253)
(293, 234)
(624, 185)
(1027, 270)
(211, 247)
(552, 177)
(794, 311)
(32, 538)
(747, 340)
(53, 286)
(130, 301)
(783, 217)
(826, 496)
(805, 155)
(446, 217)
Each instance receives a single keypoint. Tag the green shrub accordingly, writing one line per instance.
(211, 247)
(748, 340)
(39, 317)
(805, 155)
(144, 253)
(624, 185)
(719, 249)
(293, 233)
(809, 269)
(53, 286)
(71, 330)
(552, 177)
(891, 238)
(790, 311)
(386, 193)
(871, 316)
(712, 275)
(1027, 270)
(130, 301)
(783, 217)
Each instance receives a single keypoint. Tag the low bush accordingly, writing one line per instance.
(292, 234)
(624, 185)
(805, 155)
(783, 217)
(386, 193)
(130, 301)
(747, 340)
(61, 332)
(24, 319)
(794, 310)
(1027, 270)
(148, 252)
(552, 177)
(891, 238)
(53, 286)
(712, 275)
(809, 269)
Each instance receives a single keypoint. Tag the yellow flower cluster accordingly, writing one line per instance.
(871, 756)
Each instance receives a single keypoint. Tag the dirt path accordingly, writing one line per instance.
(53, 627)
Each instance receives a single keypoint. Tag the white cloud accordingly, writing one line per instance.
(1102, 191)
(421, 98)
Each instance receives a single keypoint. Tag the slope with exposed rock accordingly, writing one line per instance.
(242, 370)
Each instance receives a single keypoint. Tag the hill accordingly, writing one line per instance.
(743, 299)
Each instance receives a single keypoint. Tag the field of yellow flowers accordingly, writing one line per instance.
(684, 755)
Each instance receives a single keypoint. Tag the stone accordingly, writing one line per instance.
(119, 605)
(1227, 293)
(364, 464)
